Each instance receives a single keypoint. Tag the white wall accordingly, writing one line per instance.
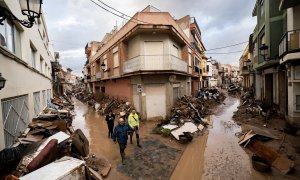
(21, 78)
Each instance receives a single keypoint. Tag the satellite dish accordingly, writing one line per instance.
(172, 78)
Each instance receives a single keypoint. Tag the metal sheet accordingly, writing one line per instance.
(187, 127)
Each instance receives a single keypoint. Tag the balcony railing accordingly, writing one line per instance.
(154, 63)
(98, 75)
(290, 42)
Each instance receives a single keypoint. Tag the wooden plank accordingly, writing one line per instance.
(94, 174)
(105, 171)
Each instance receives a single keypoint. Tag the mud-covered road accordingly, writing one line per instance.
(215, 155)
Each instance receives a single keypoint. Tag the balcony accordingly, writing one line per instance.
(290, 43)
(155, 63)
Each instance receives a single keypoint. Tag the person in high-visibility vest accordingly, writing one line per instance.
(134, 123)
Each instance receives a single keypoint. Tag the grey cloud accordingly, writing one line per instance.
(221, 22)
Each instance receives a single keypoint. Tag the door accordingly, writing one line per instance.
(155, 100)
(282, 93)
(269, 89)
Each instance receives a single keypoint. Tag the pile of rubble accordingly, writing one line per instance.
(115, 105)
(86, 97)
(264, 157)
(234, 89)
(188, 115)
(51, 148)
(253, 108)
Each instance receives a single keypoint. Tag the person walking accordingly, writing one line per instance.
(110, 123)
(134, 123)
(120, 135)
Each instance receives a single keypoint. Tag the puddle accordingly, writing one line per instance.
(223, 156)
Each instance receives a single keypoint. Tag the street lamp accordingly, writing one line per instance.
(264, 52)
(2, 81)
(103, 66)
(30, 8)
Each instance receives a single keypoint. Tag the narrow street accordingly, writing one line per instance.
(213, 156)
(95, 128)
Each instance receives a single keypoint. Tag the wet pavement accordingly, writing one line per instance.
(224, 158)
(95, 128)
(155, 160)
(215, 155)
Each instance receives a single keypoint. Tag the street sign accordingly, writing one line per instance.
(139, 88)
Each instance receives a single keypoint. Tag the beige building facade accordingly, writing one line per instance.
(25, 64)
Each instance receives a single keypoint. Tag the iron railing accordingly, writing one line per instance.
(15, 113)
(289, 43)
(37, 102)
(154, 63)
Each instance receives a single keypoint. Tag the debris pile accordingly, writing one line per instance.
(251, 108)
(50, 142)
(265, 156)
(113, 104)
(85, 96)
(188, 115)
(234, 89)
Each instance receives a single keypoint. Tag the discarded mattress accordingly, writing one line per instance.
(64, 168)
(187, 127)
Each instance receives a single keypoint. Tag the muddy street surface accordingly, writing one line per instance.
(95, 128)
(215, 155)
(155, 160)
(223, 156)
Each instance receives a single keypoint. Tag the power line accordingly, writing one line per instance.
(228, 46)
(109, 11)
(121, 12)
(117, 14)
(225, 52)
(150, 23)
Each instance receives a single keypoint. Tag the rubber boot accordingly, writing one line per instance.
(123, 158)
(131, 138)
(138, 142)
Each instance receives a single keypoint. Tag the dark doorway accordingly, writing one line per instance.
(269, 89)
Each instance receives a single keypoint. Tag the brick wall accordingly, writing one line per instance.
(118, 88)
(110, 63)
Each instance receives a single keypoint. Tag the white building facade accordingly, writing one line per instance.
(25, 64)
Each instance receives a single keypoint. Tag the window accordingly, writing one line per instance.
(45, 68)
(207, 68)
(298, 102)
(190, 59)
(10, 37)
(41, 64)
(175, 51)
(255, 51)
(262, 7)
(262, 40)
(32, 56)
(116, 59)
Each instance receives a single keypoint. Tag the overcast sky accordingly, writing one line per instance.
(73, 23)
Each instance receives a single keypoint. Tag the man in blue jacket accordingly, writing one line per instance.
(121, 135)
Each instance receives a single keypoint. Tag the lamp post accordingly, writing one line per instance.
(264, 52)
(103, 66)
(2, 81)
(29, 8)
